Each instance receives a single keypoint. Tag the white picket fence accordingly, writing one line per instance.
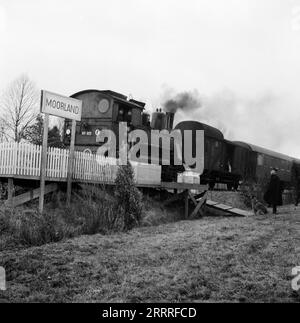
(91, 167)
(25, 160)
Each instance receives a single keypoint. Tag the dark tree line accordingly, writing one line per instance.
(34, 134)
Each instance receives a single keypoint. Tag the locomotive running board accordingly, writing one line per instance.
(228, 209)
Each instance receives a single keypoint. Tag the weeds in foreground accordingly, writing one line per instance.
(93, 210)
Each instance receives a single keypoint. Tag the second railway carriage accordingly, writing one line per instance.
(232, 162)
(261, 161)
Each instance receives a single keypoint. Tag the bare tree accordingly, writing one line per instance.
(19, 108)
(2, 131)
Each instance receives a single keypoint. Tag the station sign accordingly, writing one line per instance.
(64, 107)
(61, 106)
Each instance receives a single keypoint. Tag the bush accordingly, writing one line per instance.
(128, 197)
(254, 188)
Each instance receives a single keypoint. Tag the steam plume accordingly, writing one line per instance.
(266, 119)
(186, 101)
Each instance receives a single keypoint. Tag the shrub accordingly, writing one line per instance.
(129, 198)
(253, 188)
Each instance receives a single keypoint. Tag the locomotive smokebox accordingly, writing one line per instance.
(169, 120)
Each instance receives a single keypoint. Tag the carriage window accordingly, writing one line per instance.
(260, 160)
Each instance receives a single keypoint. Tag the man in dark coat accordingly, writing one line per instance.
(273, 195)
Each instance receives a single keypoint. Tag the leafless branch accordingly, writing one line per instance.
(18, 107)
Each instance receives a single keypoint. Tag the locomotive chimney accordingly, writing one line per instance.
(169, 120)
(158, 121)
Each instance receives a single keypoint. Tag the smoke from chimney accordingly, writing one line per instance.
(185, 101)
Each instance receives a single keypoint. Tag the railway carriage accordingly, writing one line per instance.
(262, 161)
(217, 167)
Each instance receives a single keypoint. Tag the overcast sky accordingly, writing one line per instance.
(242, 56)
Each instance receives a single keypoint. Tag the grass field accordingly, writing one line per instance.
(206, 260)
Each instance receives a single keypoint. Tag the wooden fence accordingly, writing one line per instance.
(23, 159)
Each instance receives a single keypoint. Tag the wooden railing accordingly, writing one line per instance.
(23, 159)
(91, 167)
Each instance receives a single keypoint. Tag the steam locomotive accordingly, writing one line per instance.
(227, 162)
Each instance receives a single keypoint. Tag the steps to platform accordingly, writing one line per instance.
(228, 209)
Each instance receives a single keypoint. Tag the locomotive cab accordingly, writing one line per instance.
(102, 110)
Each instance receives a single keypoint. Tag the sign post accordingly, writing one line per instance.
(68, 108)
(44, 162)
(71, 163)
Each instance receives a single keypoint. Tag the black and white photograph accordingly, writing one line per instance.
(149, 154)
